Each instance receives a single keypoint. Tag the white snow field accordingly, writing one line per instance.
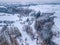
(42, 8)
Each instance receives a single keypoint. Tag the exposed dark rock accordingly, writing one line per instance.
(39, 25)
(52, 43)
(8, 35)
(43, 26)
(29, 31)
(36, 14)
(3, 9)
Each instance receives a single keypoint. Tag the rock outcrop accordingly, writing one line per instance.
(8, 35)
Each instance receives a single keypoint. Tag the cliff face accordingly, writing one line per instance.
(31, 28)
(8, 35)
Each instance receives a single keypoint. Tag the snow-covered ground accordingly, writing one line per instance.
(42, 8)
